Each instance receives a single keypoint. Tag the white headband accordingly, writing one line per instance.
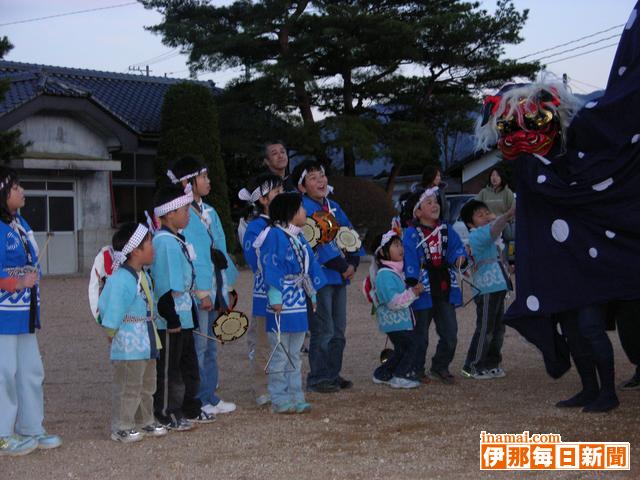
(386, 238)
(175, 179)
(429, 192)
(304, 174)
(5, 182)
(119, 257)
(175, 204)
(261, 191)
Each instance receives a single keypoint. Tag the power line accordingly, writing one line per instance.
(585, 83)
(157, 58)
(571, 41)
(581, 54)
(77, 12)
(579, 47)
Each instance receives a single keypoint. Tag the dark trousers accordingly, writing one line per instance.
(589, 344)
(401, 363)
(178, 377)
(486, 344)
(627, 316)
(327, 341)
(444, 316)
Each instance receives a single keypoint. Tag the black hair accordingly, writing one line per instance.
(166, 193)
(270, 180)
(123, 234)
(469, 208)
(268, 143)
(309, 166)
(9, 178)
(383, 253)
(408, 201)
(429, 174)
(186, 166)
(284, 207)
(503, 177)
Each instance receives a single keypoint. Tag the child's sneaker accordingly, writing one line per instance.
(179, 425)
(303, 407)
(154, 430)
(497, 372)
(221, 407)
(283, 408)
(263, 400)
(14, 446)
(127, 436)
(632, 384)
(481, 375)
(46, 441)
(380, 381)
(204, 417)
(399, 382)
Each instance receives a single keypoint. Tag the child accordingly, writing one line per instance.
(291, 275)
(432, 251)
(329, 322)
(21, 371)
(215, 274)
(266, 187)
(393, 312)
(173, 275)
(127, 313)
(490, 277)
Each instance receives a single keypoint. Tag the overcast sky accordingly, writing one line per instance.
(115, 39)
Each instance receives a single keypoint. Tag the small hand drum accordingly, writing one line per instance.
(348, 240)
(230, 326)
(328, 225)
(320, 228)
(311, 232)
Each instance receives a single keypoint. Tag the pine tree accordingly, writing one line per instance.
(10, 145)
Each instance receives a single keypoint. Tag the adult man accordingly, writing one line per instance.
(277, 161)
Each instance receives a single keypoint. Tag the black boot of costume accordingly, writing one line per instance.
(607, 398)
(587, 370)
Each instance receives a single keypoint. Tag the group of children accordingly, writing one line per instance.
(415, 279)
(171, 279)
(170, 282)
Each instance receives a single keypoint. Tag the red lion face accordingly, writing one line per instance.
(530, 126)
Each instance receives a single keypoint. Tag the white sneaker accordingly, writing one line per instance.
(221, 407)
(263, 399)
(398, 382)
(497, 372)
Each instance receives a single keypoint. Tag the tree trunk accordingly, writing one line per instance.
(391, 181)
(347, 98)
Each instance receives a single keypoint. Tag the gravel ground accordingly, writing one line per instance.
(368, 432)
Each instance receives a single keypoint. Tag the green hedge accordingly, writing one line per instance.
(190, 127)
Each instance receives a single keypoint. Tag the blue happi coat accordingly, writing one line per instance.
(173, 270)
(283, 259)
(204, 231)
(15, 307)
(330, 250)
(254, 228)
(415, 258)
(124, 307)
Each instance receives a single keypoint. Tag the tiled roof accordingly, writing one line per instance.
(134, 99)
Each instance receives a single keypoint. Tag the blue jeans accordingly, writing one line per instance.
(444, 315)
(285, 380)
(21, 377)
(207, 352)
(327, 326)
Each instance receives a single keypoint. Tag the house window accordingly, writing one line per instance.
(133, 187)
